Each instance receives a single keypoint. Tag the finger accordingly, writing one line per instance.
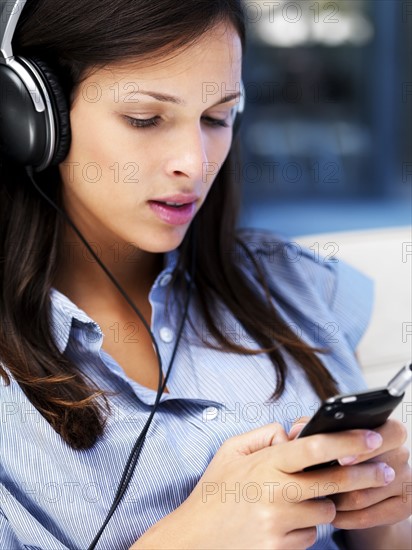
(255, 440)
(339, 479)
(298, 426)
(387, 512)
(363, 498)
(315, 449)
(356, 500)
(299, 539)
(309, 513)
(394, 435)
(395, 458)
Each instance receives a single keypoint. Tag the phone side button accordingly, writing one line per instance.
(349, 399)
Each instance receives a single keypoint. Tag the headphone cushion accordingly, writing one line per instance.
(61, 110)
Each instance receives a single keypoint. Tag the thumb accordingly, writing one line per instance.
(298, 426)
(260, 438)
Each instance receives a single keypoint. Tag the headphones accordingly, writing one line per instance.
(35, 129)
(34, 114)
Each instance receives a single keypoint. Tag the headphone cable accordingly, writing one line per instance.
(135, 452)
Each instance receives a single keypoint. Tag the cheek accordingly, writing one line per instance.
(97, 135)
(220, 147)
(101, 153)
(217, 154)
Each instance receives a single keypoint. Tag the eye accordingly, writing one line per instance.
(142, 122)
(216, 122)
(154, 121)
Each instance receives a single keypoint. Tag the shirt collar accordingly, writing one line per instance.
(63, 310)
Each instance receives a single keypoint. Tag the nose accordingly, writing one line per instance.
(187, 152)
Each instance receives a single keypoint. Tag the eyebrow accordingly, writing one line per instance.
(173, 99)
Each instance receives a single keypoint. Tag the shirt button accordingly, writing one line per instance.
(165, 280)
(210, 413)
(166, 334)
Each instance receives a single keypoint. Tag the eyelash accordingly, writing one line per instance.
(154, 121)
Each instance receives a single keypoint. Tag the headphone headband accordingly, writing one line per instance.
(8, 23)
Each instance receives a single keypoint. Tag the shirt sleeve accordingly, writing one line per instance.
(314, 288)
(352, 301)
(8, 539)
(22, 531)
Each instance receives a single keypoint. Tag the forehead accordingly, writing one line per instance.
(215, 57)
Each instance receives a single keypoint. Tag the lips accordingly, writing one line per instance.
(177, 209)
(182, 198)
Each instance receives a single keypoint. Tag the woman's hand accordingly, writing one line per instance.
(378, 506)
(383, 505)
(254, 493)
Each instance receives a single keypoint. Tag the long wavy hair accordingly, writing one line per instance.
(74, 37)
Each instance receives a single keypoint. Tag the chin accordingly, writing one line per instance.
(162, 241)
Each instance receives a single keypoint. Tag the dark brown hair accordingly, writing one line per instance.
(74, 37)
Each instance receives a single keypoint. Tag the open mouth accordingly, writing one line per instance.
(171, 204)
(173, 213)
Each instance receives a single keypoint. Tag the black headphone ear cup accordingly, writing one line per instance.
(24, 129)
(60, 110)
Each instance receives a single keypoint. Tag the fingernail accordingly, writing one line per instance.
(299, 425)
(389, 474)
(345, 461)
(373, 440)
(297, 428)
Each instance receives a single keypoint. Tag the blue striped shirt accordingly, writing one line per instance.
(53, 497)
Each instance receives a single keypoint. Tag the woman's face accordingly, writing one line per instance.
(147, 132)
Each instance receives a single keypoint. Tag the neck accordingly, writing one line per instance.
(81, 278)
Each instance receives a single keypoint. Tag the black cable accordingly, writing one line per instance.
(135, 452)
(30, 173)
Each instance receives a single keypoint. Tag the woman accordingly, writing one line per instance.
(152, 89)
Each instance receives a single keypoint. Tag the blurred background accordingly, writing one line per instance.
(326, 135)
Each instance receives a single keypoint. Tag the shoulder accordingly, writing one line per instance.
(287, 263)
(303, 280)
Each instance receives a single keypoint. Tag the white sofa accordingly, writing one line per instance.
(386, 256)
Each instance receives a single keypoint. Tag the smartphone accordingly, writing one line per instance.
(363, 410)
